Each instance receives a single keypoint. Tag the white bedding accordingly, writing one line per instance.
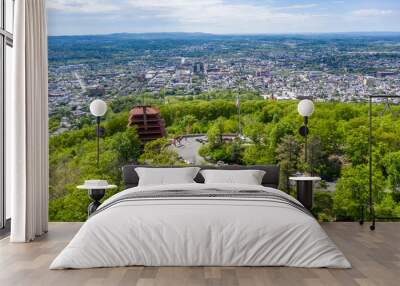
(202, 232)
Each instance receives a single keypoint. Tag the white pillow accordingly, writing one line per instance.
(166, 176)
(247, 177)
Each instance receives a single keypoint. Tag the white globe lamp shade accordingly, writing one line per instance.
(98, 107)
(305, 107)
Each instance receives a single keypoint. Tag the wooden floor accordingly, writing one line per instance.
(375, 257)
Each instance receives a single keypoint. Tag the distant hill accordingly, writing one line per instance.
(209, 36)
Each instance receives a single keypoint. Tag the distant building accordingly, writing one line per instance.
(263, 73)
(95, 91)
(150, 74)
(314, 75)
(182, 72)
(301, 97)
(56, 94)
(385, 73)
(64, 123)
(211, 69)
(148, 122)
(198, 68)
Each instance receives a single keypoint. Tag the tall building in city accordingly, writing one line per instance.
(198, 68)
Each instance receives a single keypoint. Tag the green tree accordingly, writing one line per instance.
(391, 163)
(315, 156)
(254, 129)
(54, 124)
(215, 133)
(257, 154)
(159, 152)
(187, 123)
(288, 152)
(323, 206)
(352, 190)
(126, 145)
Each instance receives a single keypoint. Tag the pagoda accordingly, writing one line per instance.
(148, 122)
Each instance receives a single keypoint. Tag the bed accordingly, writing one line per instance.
(201, 224)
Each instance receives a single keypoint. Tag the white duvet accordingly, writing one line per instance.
(202, 232)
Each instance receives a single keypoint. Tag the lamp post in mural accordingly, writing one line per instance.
(305, 109)
(98, 108)
(97, 188)
(369, 83)
(305, 183)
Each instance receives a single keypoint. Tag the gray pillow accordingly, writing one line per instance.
(166, 176)
(247, 177)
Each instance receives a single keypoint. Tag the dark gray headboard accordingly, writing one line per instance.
(271, 177)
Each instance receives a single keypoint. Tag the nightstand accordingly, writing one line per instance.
(305, 190)
(96, 191)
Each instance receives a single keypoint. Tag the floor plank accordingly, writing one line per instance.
(375, 257)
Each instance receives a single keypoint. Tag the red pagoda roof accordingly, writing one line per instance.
(148, 123)
(141, 110)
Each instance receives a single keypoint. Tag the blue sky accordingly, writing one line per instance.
(77, 17)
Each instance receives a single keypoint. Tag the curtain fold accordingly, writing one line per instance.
(28, 123)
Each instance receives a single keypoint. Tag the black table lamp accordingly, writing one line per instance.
(305, 109)
(98, 108)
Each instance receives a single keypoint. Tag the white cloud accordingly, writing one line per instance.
(82, 6)
(216, 16)
(223, 17)
(172, 4)
(299, 6)
(371, 12)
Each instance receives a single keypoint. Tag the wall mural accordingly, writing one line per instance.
(218, 98)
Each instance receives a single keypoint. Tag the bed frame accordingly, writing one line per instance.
(270, 179)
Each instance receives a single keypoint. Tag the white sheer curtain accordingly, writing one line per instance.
(27, 122)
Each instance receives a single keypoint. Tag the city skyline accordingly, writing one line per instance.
(80, 17)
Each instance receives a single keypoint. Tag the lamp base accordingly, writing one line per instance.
(95, 195)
